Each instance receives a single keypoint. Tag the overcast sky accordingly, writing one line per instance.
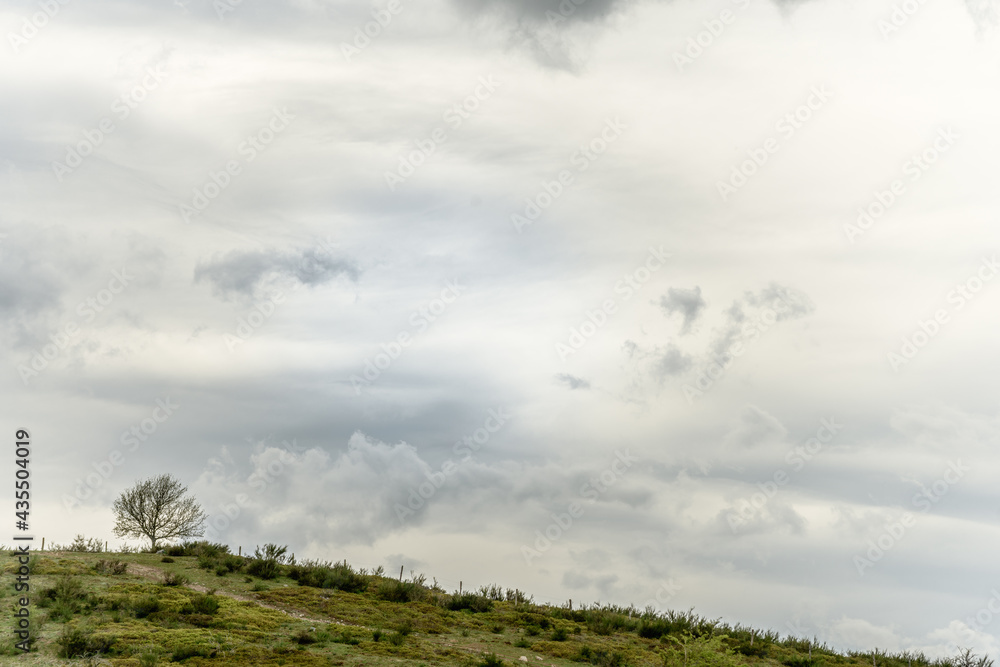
(673, 303)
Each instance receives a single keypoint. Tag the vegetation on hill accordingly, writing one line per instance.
(198, 604)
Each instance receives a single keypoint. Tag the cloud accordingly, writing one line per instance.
(244, 273)
(671, 362)
(688, 302)
(572, 381)
(756, 428)
(755, 313)
(537, 10)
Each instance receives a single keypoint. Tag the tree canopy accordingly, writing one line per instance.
(157, 508)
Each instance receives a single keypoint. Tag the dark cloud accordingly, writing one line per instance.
(688, 302)
(244, 273)
(572, 381)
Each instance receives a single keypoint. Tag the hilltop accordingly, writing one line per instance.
(196, 604)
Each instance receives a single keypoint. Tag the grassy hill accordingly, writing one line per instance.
(199, 605)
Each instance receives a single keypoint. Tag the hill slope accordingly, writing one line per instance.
(201, 606)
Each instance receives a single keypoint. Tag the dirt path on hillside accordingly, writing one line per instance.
(156, 574)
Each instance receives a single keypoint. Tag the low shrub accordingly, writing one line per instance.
(471, 601)
(65, 598)
(756, 650)
(185, 652)
(346, 638)
(146, 605)
(233, 563)
(398, 591)
(204, 604)
(199, 548)
(167, 559)
(304, 638)
(339, 576)
(600, 657)
(112, 566)
(175, 579)
(75, 642)
(266, 563)
(81, 544)
(491, 660)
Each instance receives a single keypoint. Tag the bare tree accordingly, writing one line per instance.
(966, 658)
(156, 508)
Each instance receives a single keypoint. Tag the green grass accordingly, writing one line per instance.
(140, 610)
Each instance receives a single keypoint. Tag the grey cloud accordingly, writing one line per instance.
(688, 302)
(778, 301)
(245, 272)
(572, 381)
(671, 362)
(756, 428)
(576, 580)
(536, 10)
(788, 303)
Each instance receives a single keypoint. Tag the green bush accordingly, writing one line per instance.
(266, 563)
(205, 604)
(167, 559)
(149, 659)
(799, 661)
(200, 548)
(75, 642)
(471, 601)
(346, 637)
(559, 635)
(304, 638)
(82, 544)
(185, 652)
(233, 563)
(174, 579)
(65, 599)
(338, 576)
(600, 657)
(398, 591)
(146, 605)
(491, 660)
